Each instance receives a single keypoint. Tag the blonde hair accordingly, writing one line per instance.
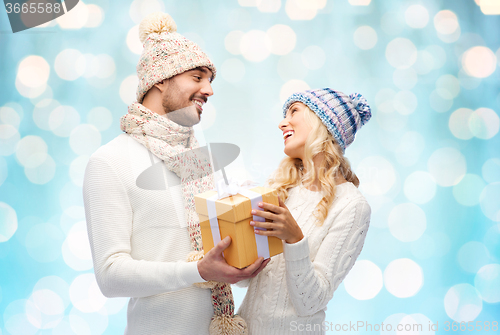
(293, 171)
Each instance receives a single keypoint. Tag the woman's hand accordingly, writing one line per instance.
(283, 226)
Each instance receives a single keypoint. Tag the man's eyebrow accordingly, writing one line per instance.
(201, 69)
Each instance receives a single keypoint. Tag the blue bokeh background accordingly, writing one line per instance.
(428, 161)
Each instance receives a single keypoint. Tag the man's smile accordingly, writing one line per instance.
(199, 104)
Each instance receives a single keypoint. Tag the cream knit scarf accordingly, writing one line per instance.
(173, 144)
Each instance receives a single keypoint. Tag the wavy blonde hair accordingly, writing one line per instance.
(293, 171)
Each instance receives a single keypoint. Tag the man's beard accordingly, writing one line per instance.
(186, 116)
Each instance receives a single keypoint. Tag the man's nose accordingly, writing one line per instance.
(206, 90)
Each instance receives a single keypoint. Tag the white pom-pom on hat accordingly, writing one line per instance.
(361, 105)
(156, 23)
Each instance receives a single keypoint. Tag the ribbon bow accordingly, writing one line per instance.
(233, 187)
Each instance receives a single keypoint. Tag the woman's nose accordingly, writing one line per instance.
(282, 124)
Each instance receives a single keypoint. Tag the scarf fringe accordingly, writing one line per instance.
(228, 325)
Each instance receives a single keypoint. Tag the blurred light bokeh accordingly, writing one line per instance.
(428, 161)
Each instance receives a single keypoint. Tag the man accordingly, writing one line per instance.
(141, 237)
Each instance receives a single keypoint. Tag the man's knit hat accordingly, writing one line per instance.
(341, 114)
(166, 53)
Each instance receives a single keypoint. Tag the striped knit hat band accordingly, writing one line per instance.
(341, 114)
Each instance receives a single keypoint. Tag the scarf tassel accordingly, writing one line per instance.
(228, 325)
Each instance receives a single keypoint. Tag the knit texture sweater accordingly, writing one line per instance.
(292, 291)
(139, 241)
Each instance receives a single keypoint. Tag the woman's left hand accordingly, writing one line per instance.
(283, 224)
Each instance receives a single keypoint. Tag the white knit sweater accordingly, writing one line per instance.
(139, 243)
(293, 290)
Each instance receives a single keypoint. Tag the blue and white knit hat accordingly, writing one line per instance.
(341, 114)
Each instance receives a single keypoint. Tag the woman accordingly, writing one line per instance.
(322, 218)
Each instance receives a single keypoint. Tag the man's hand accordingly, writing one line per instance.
(214, 267)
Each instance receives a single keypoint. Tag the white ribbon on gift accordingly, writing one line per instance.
(212, 217)
(237, 187)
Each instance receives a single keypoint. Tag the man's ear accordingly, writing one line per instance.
(161, 85)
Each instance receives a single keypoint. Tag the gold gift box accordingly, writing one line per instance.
(233, 214)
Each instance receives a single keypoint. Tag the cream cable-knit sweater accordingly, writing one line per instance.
(293, 290)
(139, 242)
